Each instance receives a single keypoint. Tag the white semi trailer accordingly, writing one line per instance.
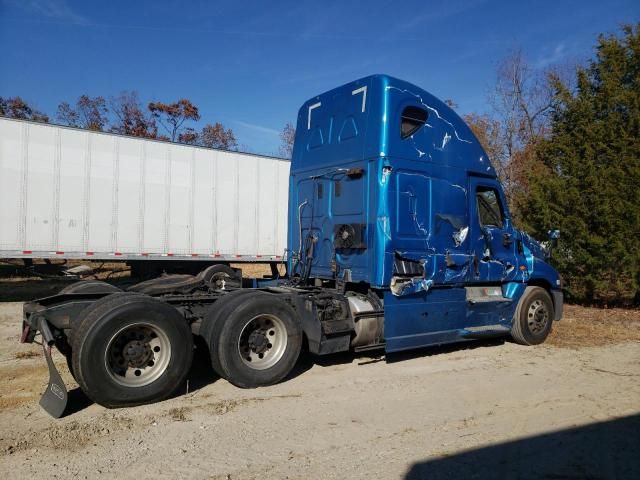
(72, 193)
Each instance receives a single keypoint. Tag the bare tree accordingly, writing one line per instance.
(130, 118)
(521, 101)
(188, 136)
(16, 107)
(216, 136)
(287, 137)
(173, 115)
(90, 113)
(487, 131)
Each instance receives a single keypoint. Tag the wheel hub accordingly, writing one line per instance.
(258, 341)
(262, 342)
(137, 353)
(537, 317)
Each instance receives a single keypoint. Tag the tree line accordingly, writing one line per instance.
(125, 114)
(565, 142)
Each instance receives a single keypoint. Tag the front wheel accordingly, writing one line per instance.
(533, 318)
(259, 342)
(130, 350)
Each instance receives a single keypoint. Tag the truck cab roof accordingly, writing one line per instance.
(382, 116)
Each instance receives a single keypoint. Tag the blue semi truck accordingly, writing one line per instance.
(399, 237)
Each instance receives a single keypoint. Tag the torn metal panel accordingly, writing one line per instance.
(406, 286)
(460, 236)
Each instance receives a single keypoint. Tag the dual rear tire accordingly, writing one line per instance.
(254, 338)
(131, 349)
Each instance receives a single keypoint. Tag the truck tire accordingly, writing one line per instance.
(213, 320)
(259, 342)
(533, 317)
(217, 276)
(66, 348)
(131, 349)
(90, 286)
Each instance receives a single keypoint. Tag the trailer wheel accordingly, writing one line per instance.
(90, 286)
(130, 350)
(533, 318)
(213, 320)
(219, 276)
(259, 342)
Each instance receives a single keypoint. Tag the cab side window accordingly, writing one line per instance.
(411, 120)
(489, 208)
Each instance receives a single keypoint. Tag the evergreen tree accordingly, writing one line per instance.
(586, 180)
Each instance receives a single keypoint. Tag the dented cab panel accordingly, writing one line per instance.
(392, 189)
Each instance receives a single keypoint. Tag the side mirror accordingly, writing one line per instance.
(553, 236)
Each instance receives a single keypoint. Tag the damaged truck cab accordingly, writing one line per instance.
(399, 236)
(390, 190)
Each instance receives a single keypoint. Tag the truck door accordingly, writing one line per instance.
(492, 237)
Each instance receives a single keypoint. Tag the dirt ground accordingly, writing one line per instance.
(567, 409)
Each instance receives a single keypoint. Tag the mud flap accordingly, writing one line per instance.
(54, 399)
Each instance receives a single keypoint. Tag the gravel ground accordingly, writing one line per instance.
(567, 409)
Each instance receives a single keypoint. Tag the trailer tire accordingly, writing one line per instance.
(90, 286)
(131, 349)
(533, 318)
(260, 341)
(214, 275)
(212, 324)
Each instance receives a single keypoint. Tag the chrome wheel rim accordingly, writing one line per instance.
(537, 317)
(262, 342)
(137, 355)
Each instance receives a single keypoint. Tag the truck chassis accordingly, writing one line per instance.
(132, 347)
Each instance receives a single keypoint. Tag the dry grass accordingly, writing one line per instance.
(27, 354)
(256, 270)
(585, 327)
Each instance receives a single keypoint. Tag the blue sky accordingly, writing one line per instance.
(250, 65)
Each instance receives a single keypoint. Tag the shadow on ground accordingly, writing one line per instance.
(607, 450)
(202, 374)
(372, 356)
(76, 401)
